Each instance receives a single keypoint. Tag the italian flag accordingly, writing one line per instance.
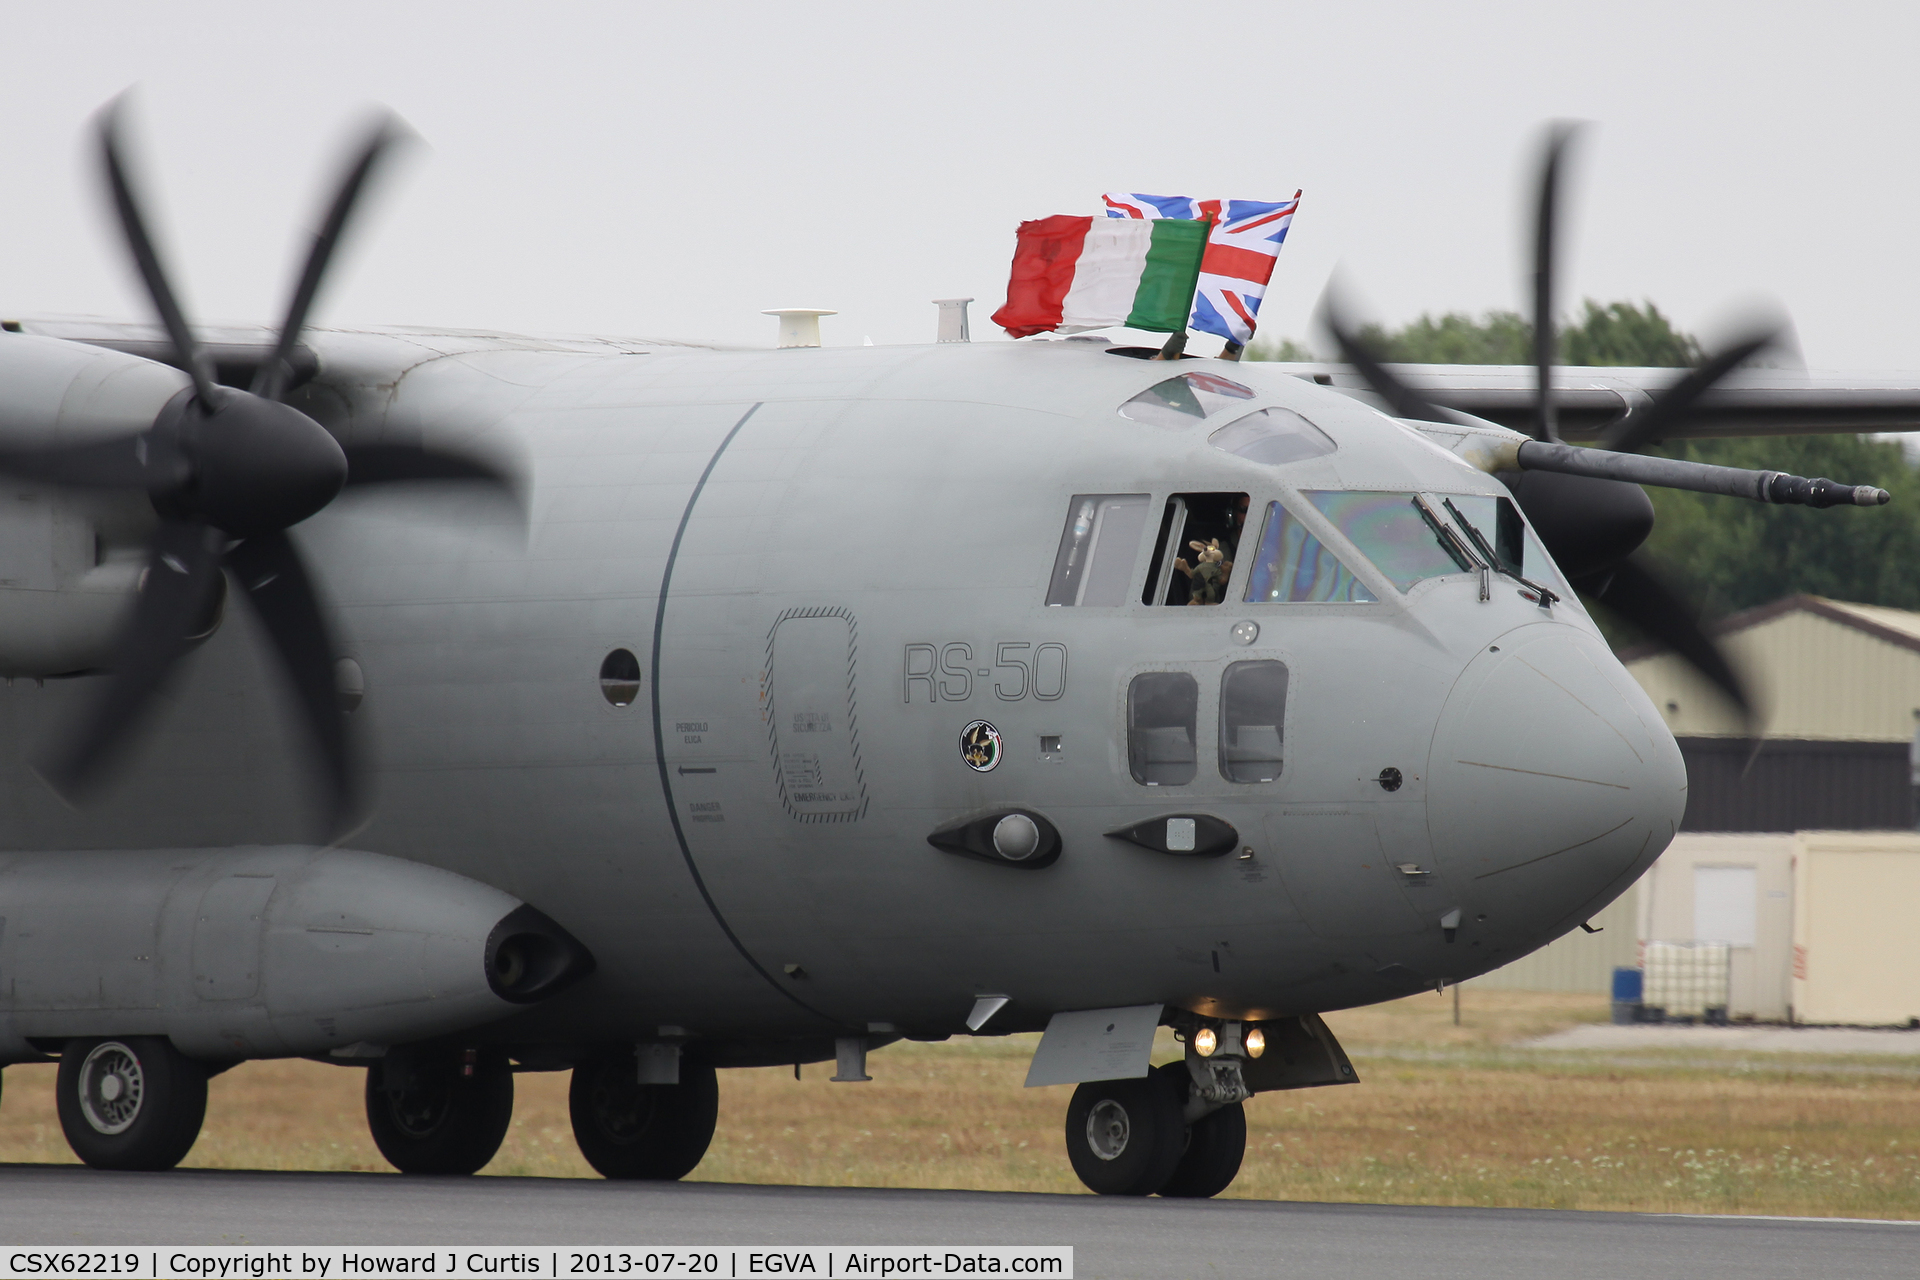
(1071, 274)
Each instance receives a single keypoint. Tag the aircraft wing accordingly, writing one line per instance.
(1751, 402)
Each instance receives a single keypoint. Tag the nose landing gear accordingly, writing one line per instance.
(1180, 1132)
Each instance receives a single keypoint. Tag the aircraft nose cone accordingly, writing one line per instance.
(1552, 781)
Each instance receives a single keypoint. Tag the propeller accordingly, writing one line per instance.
(1586, 504)
(228, 472)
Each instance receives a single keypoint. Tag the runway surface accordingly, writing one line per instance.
(68, 1205)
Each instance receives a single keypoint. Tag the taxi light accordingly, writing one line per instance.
(1256, 1042)
(1205, 1042)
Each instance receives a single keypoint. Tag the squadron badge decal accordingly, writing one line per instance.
(980, 746)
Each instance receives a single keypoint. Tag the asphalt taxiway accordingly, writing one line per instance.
(68, 1205)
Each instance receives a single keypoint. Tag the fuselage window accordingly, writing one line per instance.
(1094, 565)
(1194, 555)
(1395, 531)
(1294, 567)
(1272, 436)
(1253, 716)
(1162, 707)
(1182, 401)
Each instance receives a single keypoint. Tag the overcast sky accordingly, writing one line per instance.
(672, 170)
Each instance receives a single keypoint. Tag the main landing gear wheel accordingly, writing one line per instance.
(631, 1130)
(1216, 1143)
(130, 1103)
(429, 1116)
(1125, 1137)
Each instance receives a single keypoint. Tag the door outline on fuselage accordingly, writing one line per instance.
(772, 710)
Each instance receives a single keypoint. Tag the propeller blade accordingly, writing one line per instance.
(272, 377)
(275, 579)
(134, 227)
(1546, 222)
(120, 463)
(1404, 400)
(1637, 594)
(396, 463)
(169, 614)
(1633, 431)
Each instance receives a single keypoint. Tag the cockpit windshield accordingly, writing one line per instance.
(1182, 401)
(1498, 522)
(1393, 530)
(1411, 537)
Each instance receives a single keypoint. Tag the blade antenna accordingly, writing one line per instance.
(271, 380)
(1545, 420)
(134, 227)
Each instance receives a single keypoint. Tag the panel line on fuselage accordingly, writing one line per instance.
(659, 737)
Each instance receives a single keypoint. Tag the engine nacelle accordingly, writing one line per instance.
(262, 952)
(70, 561)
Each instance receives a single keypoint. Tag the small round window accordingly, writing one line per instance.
(620, 677)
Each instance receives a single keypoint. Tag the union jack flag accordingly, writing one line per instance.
(1246, 238)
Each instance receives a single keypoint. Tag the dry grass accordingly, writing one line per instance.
(1446, 1115)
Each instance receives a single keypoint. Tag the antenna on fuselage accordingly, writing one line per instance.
(953, 320)
(799, 326)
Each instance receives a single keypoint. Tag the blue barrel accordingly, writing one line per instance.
(1627, 989)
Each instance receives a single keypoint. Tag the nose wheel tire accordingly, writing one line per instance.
(130, 1103)
(626, 1129)
(428, 1116)
(1216, 1143)
(1125, 1137)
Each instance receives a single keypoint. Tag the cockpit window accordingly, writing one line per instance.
(1294, 567)
(1273, 436)
(1498, 522)
(1199, 541)
(1185, 400)
(1094, 565)
(1394, 531)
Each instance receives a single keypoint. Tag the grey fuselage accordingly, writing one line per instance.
(870, 504)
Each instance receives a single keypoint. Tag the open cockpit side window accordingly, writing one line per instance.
(1094, 565)
(1162, 708)
(1193, 557)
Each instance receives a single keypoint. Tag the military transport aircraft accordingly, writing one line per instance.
(663, 709)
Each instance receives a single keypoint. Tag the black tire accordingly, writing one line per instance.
(1124, 1137)
(439, 1120)
(626, 1129)
(1216, 1144)
(130, 1102)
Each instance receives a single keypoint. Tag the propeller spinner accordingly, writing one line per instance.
(229, 472)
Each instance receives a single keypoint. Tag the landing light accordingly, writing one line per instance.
(1205, 1042)
(1256, 1042)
